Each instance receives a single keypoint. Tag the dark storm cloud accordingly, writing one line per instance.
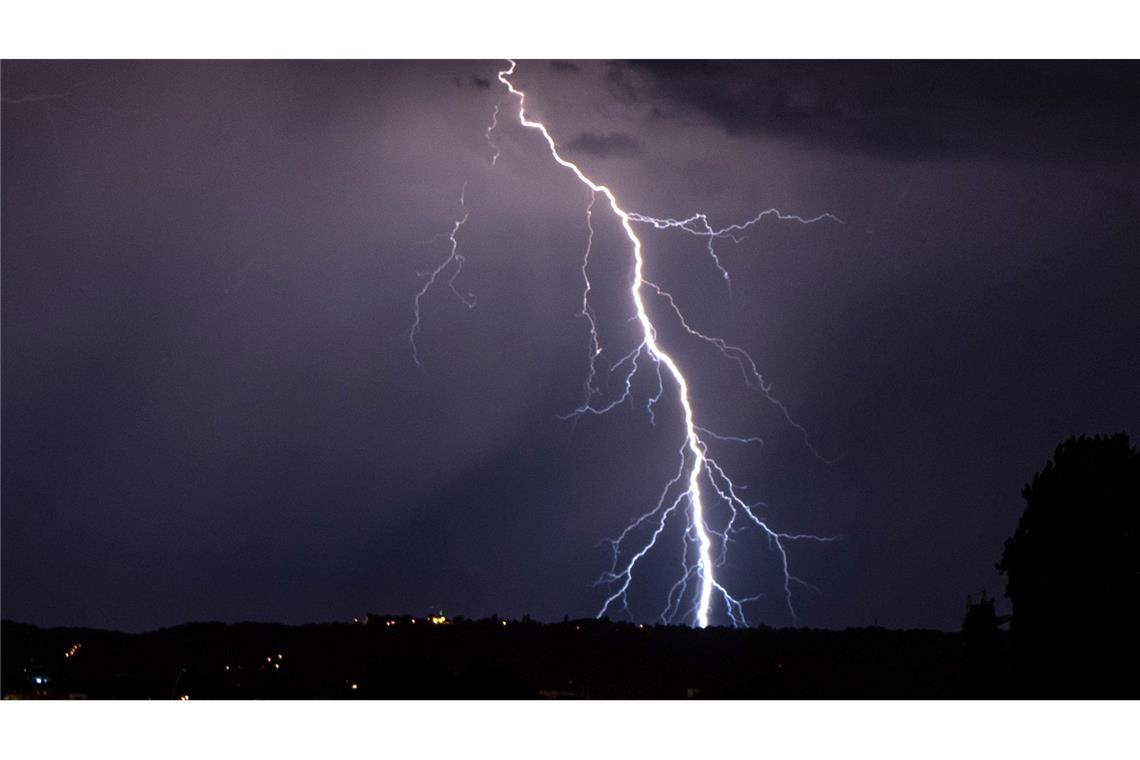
(565, 66)
(610, 145)
(1010, 111)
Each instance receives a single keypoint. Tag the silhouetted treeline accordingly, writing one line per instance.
(480, 659)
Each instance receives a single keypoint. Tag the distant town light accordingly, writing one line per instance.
(184, 698)
(354, 687)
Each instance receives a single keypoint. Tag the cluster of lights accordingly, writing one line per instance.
(74, 650)
(439, 619)
(275, 660)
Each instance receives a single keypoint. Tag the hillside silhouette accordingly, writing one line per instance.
(393, 657)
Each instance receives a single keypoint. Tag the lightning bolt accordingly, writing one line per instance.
(491, 128)
(699, 477)
(430, 277)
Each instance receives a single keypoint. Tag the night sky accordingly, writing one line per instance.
(211, 410)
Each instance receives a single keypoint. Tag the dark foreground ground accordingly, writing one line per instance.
(391, 657)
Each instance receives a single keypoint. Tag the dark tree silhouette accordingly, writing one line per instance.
(1073, 569)
(982, 647)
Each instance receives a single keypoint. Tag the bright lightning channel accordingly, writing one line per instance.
(704, 549)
